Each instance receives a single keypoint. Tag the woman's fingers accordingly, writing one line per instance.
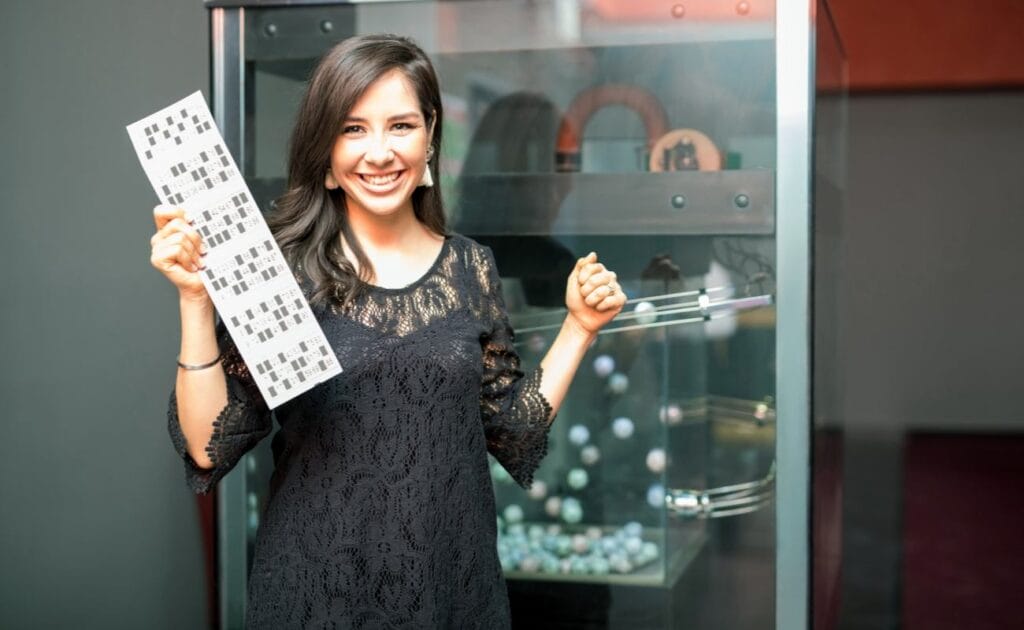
(174, 226)
(597, 280)
(180, 248)
(163, 213)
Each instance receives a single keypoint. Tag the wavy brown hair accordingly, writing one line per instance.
(308, 218)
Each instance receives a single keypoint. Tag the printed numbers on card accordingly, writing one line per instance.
(196, 174)
(249, 269)
(235, 217)
(174, 130)
(297, 365)
(271, 317)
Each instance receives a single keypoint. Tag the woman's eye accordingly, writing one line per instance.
(403, 126)
(352, 129)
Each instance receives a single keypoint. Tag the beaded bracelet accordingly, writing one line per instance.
(203, 366)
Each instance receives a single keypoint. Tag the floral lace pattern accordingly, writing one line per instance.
(381, 511)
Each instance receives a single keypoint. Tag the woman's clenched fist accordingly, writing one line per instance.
(177, 251)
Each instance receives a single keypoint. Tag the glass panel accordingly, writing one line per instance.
(644, 131)
(830, 115)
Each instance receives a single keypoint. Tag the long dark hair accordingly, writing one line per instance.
(308, 218)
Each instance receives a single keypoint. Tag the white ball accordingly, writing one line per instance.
(656, 460)
(590, 454)
(656, 496)
(572, 511)
(622, 428)
(530, 564)
(579, 434)
(553, 506)
(577, 479)
(513, 514)
(536, 343)
(671, 414)
(645, 313)
(580, 544)
(538, 490)
(618, 383)
(604, 365)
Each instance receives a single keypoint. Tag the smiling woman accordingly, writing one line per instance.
(381, 511)
(381, 94)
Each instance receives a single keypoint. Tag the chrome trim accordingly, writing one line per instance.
(794, 69)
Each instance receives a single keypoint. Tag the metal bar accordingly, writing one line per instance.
(227, 41)
(794, 73)
(712, 310)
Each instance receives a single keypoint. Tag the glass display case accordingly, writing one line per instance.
(671, 138)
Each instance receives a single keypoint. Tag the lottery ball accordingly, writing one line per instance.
(513, 514)
(622, 428)
(671, 414)
(572, 511)
(618, 383)
(579, 434)
(604, 365)
(590, 454)
(656, 460)
(577, 478)
(645, 313)
(553, 507)
(656, 496)
(538, 490)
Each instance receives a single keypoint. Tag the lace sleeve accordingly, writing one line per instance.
(243, 422)
(516, 415)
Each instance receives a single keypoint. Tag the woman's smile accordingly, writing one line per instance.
(380, 154)
(383, 182)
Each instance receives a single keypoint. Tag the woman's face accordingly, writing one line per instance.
(379, 157)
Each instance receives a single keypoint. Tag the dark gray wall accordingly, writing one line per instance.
(98, 529)
(931, 293)
(930, 303)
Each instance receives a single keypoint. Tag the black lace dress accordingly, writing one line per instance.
(381, 511)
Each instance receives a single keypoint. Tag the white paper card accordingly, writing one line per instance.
(246, 275)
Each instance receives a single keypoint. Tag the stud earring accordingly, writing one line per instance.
(428, 179)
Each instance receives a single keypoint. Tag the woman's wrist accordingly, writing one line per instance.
(576, 331)
(195, 304)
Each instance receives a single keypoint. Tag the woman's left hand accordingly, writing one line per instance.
(592, 294)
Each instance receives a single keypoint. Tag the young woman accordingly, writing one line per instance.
(381, 510)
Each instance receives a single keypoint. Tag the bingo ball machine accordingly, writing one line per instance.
(649, 132)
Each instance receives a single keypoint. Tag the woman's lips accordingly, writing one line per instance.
(380, 183)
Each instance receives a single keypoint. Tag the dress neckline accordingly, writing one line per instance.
(415, 283)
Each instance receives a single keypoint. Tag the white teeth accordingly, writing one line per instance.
(382, 179)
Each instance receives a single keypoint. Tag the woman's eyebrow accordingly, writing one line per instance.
(390, 118)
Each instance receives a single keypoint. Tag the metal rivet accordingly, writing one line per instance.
(678, 10)
(270, 30)
(741, 201)
(678, 201)
(327, 26)
(743, 7)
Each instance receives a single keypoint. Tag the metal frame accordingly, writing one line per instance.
(227, 75)
(794, 72)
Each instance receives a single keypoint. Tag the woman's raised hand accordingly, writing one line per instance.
(592, 294)
(177, 251)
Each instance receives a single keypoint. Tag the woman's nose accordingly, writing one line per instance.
(379, 151)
